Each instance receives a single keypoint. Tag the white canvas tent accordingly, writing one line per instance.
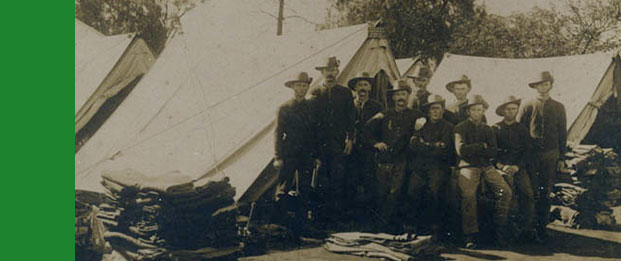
(582, 83)
(375, 57)
(104, 65)
(207, 107)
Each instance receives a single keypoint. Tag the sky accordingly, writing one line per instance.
(508, 7)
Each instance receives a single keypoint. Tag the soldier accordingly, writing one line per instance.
(458, 110)
(433, 144)
(362, 166)
(333, 107)
(421, 80)
(295, 143)
(390, 131)
(514, 144)
(475, 144)
(547, 124)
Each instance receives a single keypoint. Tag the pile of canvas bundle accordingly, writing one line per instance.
(386, 246)
(149, 219)
(589, 194)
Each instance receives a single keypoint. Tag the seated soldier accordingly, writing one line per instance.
(432, 144)
(475, 144)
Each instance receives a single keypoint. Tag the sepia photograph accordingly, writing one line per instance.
(347, 130)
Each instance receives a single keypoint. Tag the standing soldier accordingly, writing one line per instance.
(547, 124)
(475, 144)
(458, 110)
(513, 145)
(420, 81)
(390, 132)
(362, 166)
(333, 107)
(295, 146)
(432, 145)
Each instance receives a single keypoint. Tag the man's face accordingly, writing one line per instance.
(329, 75)
(300, 89)
(476, 112)
(461, 90)
(400, 98)
(435, 112)
(421, 82)
(511, 111)
(543, 87)
(363, 88)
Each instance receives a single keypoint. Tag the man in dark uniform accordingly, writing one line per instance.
(295, 144)
(547, 124)
(433, 145)
(421, 80)
(333, 107)
(514, 144)
(362, 166)
(476, 147)
(458, 112)
(390, 131)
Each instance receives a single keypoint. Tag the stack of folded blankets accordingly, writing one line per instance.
(589, 190)
(148, 218)
(385, 246)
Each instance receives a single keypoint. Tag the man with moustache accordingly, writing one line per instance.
(295, 146)
(514, 144)
(333, 107)
(476, 147)
(390, 131)
(546, 121)
(362, 166)
(432, 144)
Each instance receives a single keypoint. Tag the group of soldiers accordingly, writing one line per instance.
(400, 164)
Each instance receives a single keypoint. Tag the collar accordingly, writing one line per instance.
(479, 124)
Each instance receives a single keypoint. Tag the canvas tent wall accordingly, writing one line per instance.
(104, 66)
(375, 57)
(207, 107)
(582, 83)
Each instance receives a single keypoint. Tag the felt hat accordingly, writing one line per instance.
(300, 77)
(464, 79)
(434, 99)
(362, 76)
(500, 110)
(476, 100)
(423, 72)
(400, 85)
(330, 62)
(544, 76)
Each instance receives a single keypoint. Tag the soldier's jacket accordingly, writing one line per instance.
(470, 149)
(364, 112)
(547, 123)
(425, 143)
(335, 114)
(295, 133)
(514, 143)
(393, 128)
(458, 112)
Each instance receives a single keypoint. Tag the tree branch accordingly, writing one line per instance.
(300, 17)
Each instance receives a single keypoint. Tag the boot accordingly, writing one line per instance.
(470, 242)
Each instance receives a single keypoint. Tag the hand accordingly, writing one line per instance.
(381, 146)
(439, 144)
(317, 163)
(348, 146)
(511, 169)
(278, 164)
(419, 124)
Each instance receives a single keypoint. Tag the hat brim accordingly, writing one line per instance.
(408, 89)
(501, 108)
(533, 84)
(352, 83)
(289, 84)
(450, 86)
(443, 103)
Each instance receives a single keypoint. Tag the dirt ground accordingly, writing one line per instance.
(564, 244)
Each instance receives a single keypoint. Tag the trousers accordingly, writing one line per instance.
(390, 177)
(426, 192)
(544, 172)
(468, 182)
(523, 202)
